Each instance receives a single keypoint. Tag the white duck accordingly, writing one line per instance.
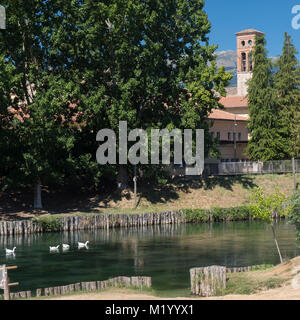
(9, 251)
(83, 245)
(54, 248)
(66, 246)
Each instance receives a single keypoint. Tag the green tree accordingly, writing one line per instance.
(294, 214)
(265, 126)
(145, 62)
(286, 83)
(36, 114)
(79, 66)
(266, 207)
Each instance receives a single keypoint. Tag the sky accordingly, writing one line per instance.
(273, 17)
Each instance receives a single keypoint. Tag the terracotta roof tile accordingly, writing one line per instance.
(234, 101)
(247, 31)
(223, 115)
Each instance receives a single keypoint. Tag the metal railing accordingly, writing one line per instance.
(260, 167)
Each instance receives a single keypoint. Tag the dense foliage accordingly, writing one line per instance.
(71, 68)
(286, 83)
(265, 127)
(294, 214)
(268, 207)
(218, 214)
(274, 104)
(49, 223)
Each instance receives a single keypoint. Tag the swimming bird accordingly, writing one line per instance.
(66, 246)
(9, 251)
(54, 248)
(82, 245)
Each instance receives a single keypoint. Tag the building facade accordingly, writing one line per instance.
(229, 126)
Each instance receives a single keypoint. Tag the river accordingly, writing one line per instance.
(165, 253)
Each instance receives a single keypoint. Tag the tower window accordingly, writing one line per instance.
(244, 63)
(229, 136)
(250, 62)
(250, 42)
(243, 43)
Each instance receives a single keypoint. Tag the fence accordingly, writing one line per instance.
(4, 280)
(241, 168)
(118, 282)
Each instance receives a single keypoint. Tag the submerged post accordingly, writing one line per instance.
(208, 281)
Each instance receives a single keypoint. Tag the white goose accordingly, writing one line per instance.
(54, 248)
(83, 245)
(65, 246)
(9, 251)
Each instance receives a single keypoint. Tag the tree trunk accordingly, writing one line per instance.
(277, 246)
(37, 195)
(122, 177)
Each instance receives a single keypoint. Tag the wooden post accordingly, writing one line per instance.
(5, 285)
(208, 281)
(294, 173)
(134, 183)
(4, 281)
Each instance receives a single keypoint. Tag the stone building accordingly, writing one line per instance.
(230, 124)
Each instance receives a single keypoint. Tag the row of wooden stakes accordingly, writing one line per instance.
(126, 282)
(243, 269)
(97, 221)
(211, 281)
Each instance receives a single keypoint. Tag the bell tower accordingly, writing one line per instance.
(245, 44)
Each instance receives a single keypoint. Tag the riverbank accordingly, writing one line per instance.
(280, 284)
(48, 223)
(223, 191)
(283, 293)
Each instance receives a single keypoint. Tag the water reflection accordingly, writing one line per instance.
(166, 253)
(10, 256)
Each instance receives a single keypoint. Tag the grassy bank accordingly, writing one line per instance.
(223, 192)
(254, 281)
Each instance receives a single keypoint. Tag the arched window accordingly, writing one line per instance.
(250, 62)
(244, 62)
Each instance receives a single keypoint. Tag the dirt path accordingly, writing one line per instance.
(283, 293)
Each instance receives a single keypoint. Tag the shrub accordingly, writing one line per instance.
(196, 215)
(294, 214)
(240, 213)
(218, 214)
(49, 223)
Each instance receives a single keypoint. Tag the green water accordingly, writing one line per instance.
(166, 253)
